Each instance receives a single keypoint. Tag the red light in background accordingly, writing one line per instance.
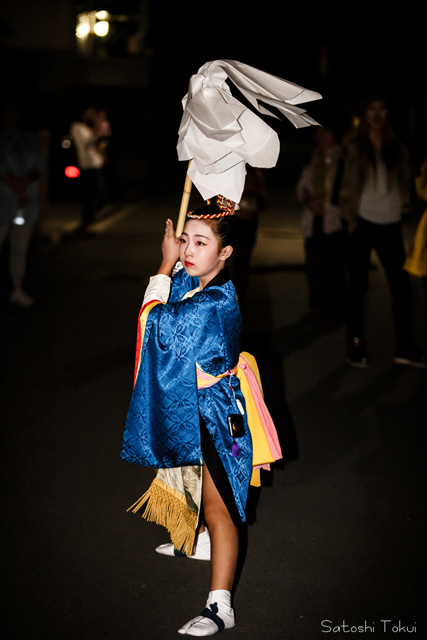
(71, 172)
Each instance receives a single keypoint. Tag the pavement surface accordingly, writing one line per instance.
(335, 547)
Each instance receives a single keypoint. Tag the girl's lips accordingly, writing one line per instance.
(188, 264)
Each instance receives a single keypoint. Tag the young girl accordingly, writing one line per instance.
(187, 415)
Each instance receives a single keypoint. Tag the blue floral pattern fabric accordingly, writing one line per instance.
(163, 428)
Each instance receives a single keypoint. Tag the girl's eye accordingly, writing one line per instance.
(182, 240)
(200, 243)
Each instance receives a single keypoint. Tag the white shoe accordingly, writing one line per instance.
(21, 298)
(202, 550)
(215, 617)
(169, 550)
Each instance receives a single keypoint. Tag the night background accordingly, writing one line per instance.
(140, 72)
(337, 531)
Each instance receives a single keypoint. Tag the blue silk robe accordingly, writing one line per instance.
(163, 423)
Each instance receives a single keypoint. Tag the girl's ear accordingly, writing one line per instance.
(226, 252)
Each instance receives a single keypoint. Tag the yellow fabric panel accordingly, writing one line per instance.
(255, 478)
(260, 446)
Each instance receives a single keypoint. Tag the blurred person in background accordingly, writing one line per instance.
(252, 203)
(90, 136)
(375, 191)
(322, 228)
(416, 262)
(21, 166)
(102, 132)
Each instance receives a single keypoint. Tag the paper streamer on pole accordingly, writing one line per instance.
(220, 135)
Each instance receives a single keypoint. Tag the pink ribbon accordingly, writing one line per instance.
(263, 412)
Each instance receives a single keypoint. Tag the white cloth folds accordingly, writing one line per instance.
(219, 134)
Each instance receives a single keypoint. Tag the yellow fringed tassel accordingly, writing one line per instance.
(167, 507)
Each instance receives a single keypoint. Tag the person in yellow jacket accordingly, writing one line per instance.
(416, 262)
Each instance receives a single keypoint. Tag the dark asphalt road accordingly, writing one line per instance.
(339, 531)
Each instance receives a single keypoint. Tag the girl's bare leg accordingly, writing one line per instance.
(218, 613)
(223, 534)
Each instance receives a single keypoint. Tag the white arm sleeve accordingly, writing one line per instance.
(158, 289)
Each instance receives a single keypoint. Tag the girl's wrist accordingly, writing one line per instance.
(166, 267)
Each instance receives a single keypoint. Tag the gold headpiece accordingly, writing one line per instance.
(226, 209)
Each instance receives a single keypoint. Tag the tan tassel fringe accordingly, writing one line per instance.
(167, 507)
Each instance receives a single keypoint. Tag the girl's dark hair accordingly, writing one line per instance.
(224, 228)
(391, 151)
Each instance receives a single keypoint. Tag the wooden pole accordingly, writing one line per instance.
(184, 203)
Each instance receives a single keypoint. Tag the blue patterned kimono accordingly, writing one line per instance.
(163, 423)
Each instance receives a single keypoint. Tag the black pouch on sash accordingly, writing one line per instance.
(236, 425)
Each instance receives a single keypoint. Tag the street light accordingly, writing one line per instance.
(83, 27)
(101, 28)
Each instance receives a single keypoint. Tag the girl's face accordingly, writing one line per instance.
(376, 115)
(199, 251)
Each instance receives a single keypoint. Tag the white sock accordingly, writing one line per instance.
(219, 602)
(203, 539)
(220, 596)
(202, 548)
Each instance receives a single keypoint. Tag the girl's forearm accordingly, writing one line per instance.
(166, 267)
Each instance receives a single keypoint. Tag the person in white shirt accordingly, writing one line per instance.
(90, 136)
(375, 191)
